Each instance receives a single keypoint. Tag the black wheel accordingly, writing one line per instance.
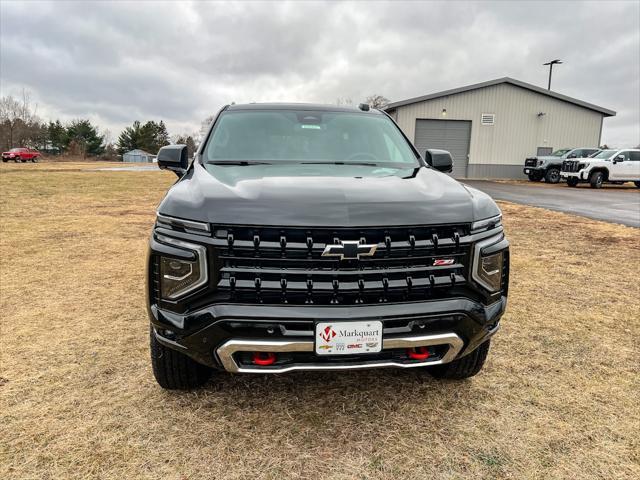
(552, 175)
(5, 160)
(173, 370)
(572, 181)
(34, 160)
(16, 159)
(596, 180)
(464, 367)
(637, 184)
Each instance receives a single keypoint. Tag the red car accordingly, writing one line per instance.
(21, 155)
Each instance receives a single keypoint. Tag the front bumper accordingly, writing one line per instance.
(223, 335)
(580, 175)
(533, 170)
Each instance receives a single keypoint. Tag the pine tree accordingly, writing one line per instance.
(162, 138)
(57, 136)
(130, 138)
(191, 146)
(86, 136)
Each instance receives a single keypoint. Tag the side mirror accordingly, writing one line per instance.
(439, 159)
(174, 158)
(619, 158)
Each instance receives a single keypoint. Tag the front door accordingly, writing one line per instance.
(621, 170)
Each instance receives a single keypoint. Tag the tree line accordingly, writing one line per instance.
(20, 126)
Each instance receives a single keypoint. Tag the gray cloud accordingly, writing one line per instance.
(117, 62)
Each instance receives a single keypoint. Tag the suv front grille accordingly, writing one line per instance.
(530, 162)
(285, 265)
(570, 166)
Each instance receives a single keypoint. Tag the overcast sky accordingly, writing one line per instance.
(117, 62)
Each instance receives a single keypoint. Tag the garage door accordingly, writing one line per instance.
(450, 135)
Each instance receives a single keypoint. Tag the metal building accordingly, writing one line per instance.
(491, 127)
(138, 156)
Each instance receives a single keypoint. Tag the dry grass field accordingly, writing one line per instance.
(559, 397)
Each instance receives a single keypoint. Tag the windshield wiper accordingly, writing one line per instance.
(366, 164)
(235, 162)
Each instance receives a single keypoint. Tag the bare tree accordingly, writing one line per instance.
(377, 101)
(16, 118)
(204, 128)
(344, 101)
(107, 137)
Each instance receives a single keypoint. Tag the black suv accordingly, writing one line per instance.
(306, 237)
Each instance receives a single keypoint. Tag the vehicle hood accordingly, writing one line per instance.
(323, 195)
(547, 158)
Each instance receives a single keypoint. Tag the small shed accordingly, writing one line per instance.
(138, 156)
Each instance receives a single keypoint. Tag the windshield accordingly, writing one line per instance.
(561, 152)
(306, 136)
(604, 154)
(16, 150)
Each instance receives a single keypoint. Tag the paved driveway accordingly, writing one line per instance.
(611, 204)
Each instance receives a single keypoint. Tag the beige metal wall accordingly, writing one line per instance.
(518, 129)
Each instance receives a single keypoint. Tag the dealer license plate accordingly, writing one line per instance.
(348, 338)
(526, 171)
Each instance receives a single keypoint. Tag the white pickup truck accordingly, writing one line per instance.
(616, 166)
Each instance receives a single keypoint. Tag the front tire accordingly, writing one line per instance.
(637, 184)
(552, 175)
(596, 180)
(534, 177)
(34, 160)
(16, 159)
(572, 181)
(464, 367)
(174, 370)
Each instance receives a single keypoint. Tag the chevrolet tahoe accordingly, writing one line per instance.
(310, 237)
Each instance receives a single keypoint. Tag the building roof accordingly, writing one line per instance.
(606, 112)
(137, 151)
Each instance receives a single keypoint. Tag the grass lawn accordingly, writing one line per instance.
(559, 397)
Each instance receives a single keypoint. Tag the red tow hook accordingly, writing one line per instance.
(418, 353)
(264, 359)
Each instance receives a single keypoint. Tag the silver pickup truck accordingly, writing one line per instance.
(548, 167)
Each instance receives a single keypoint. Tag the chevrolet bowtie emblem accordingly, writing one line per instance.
(349, 250)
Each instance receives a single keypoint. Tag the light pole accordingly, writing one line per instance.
(551, 64)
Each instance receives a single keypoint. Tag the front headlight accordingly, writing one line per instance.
(490, 271)
(180, 276)
(488, 260)
(486, 224)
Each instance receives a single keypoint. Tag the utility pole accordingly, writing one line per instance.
(551, 64)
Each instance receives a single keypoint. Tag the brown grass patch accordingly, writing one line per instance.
(558, 397)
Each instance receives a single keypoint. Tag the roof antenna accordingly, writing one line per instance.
(364, 107)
